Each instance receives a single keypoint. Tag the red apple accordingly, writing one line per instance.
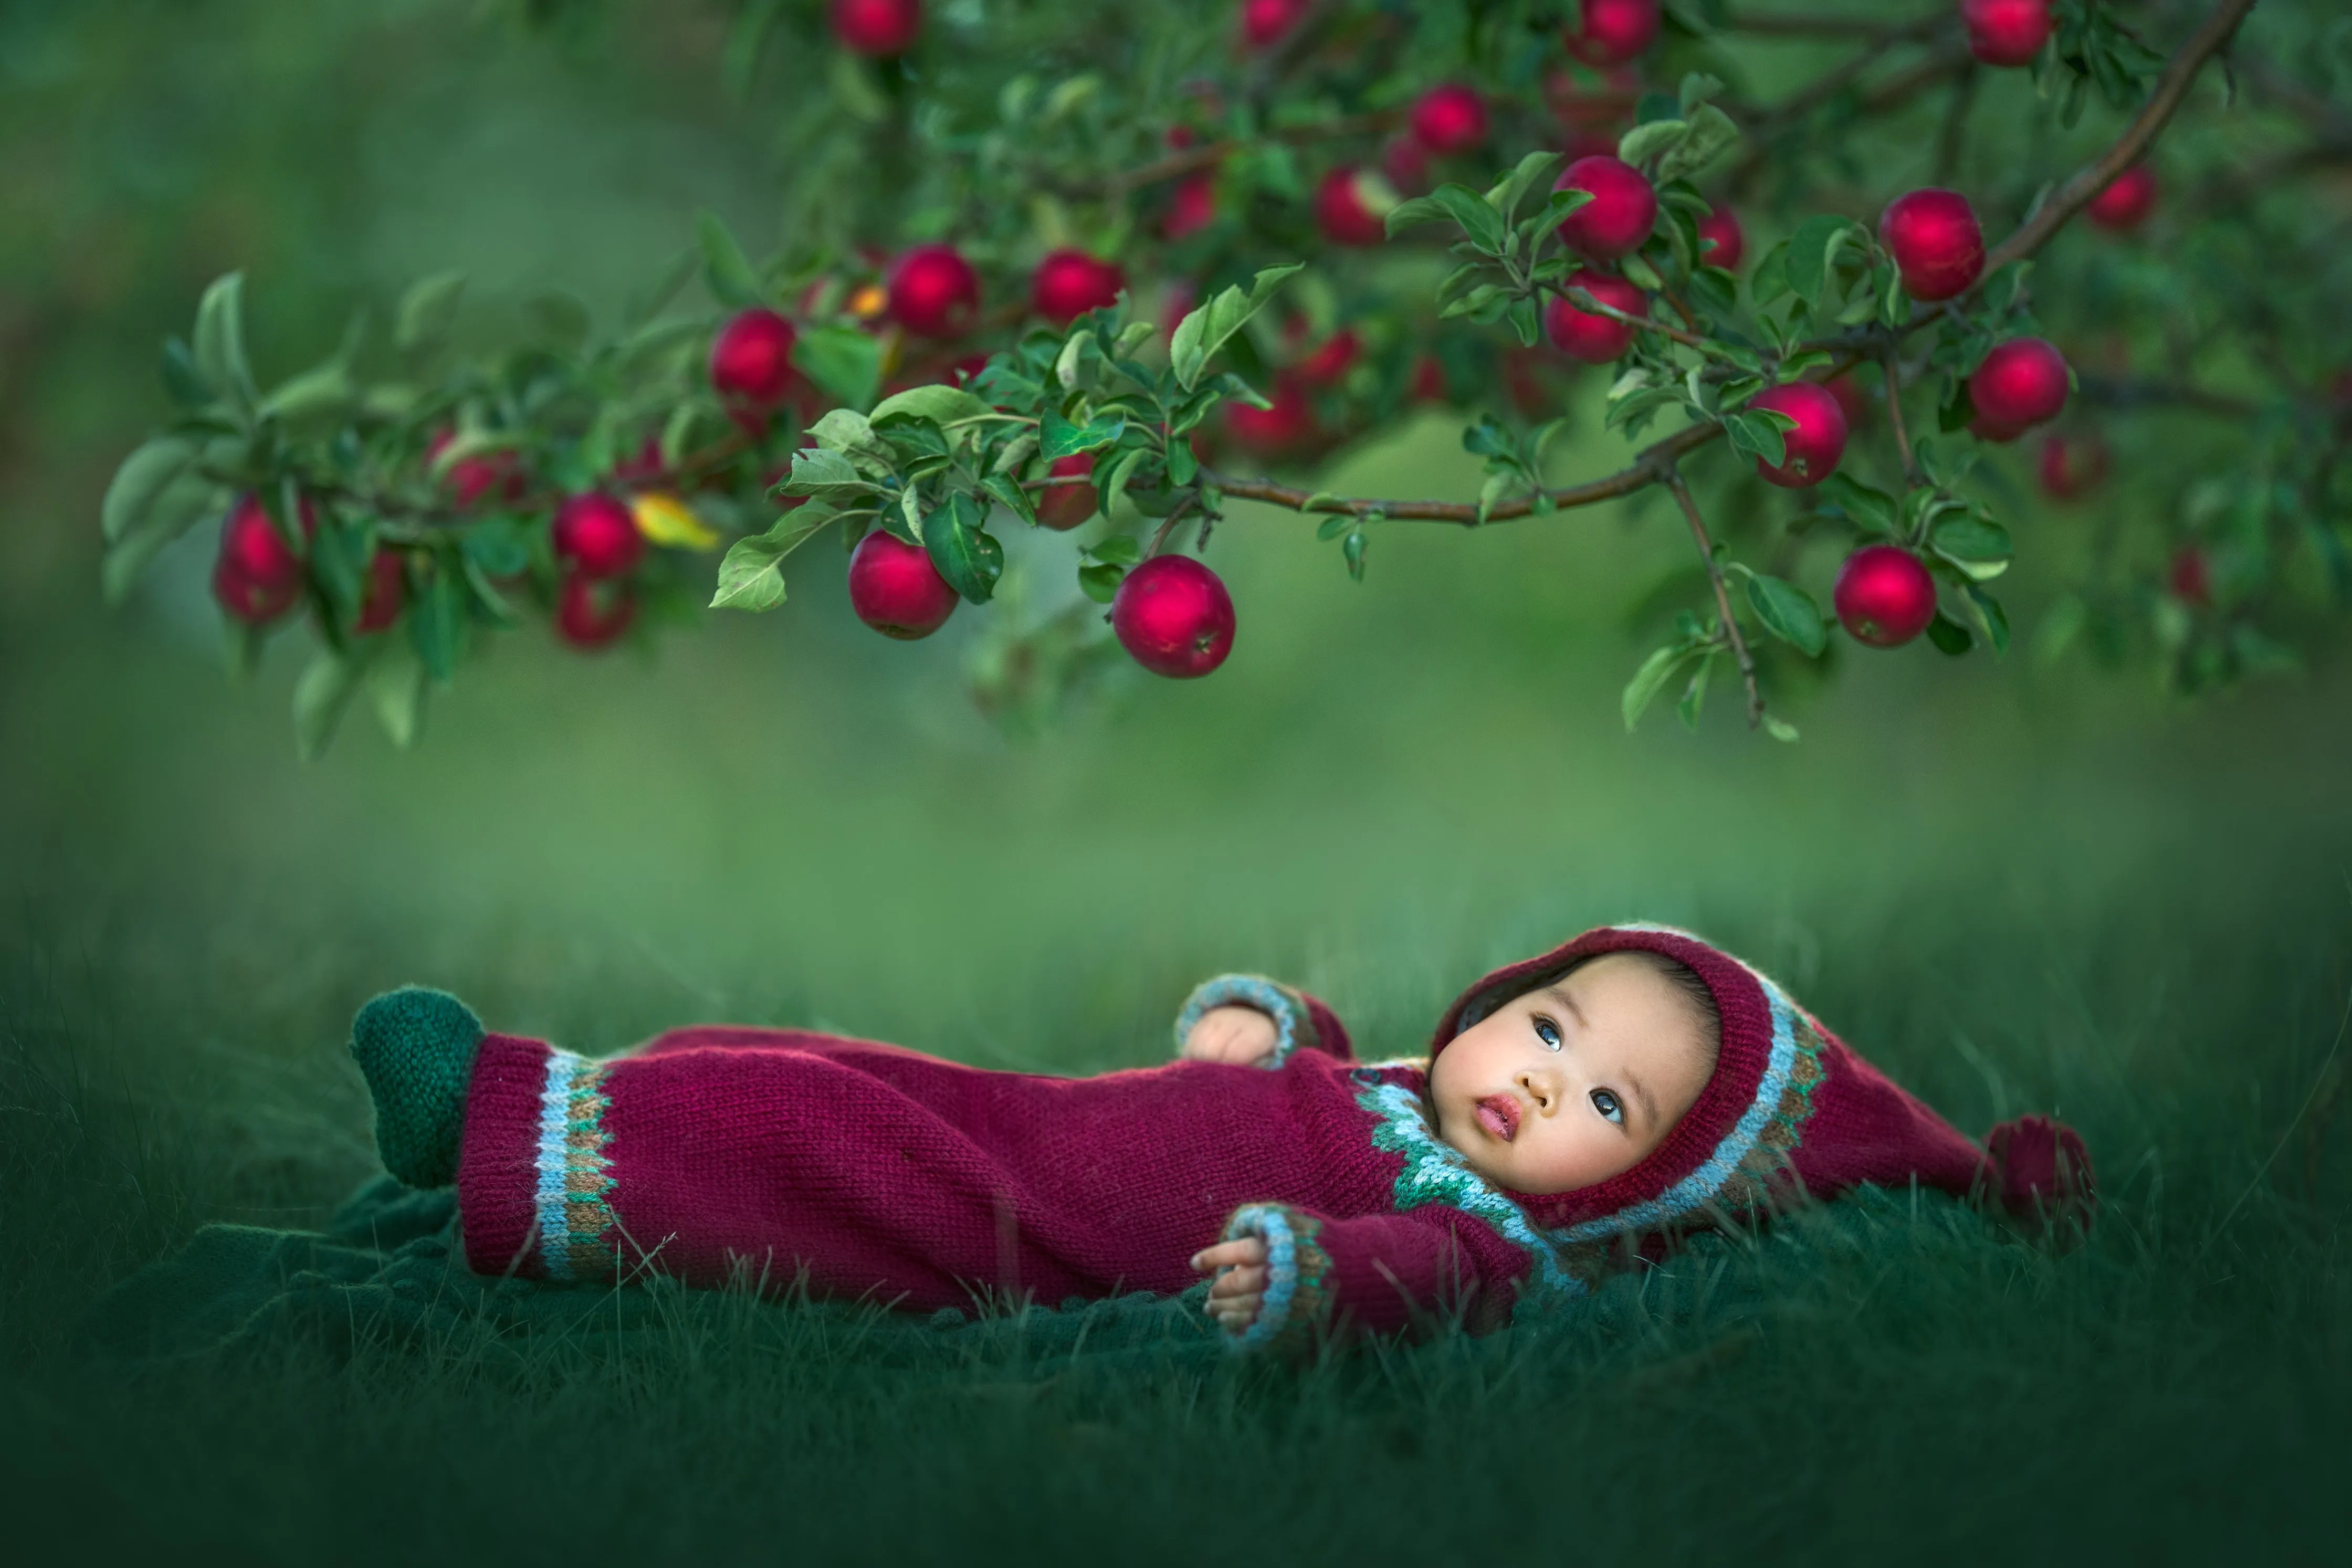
(2073, 466)
(1342, 212)
(596, 537)
(1406, 163)
(258, 575)
(1332, 359)
(387, 593)
(1587, 335)
(1449, 119)
(1266, 23)
(2128, 200)
(1273, 432)
(2021, 383)
(1612, 31)
(1722, 226)
(1069, 283)
(2006, 32)
(1618, 218)
(590, 614)
(751, 362)
(933, 291)
(471, 478)
(1191, 206)
(1174, 617)
(1935, 242)
(2191, 577)
(877, 27)
(1817, 443)
(1063, 506)
(1883, 596)
(896, 590)
(1428, 380)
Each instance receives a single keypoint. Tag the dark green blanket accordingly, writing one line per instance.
(385, 1273)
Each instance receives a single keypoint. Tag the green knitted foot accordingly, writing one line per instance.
(417, 1047)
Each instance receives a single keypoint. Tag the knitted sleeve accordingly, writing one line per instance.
(1375, 1273)
(1300, 1022)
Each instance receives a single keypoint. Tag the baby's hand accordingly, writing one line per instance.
(1241, 1280)
(1242, 1036)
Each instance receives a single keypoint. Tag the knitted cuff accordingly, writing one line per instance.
(1297, 1298)
(1292, 1025)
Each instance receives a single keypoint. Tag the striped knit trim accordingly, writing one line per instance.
(1290, 1019)
(1435, 1171)
(1297, 1295)
(570, 1204)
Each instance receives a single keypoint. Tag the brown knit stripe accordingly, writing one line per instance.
(587, 1176)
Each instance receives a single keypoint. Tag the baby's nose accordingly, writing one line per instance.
(1540, 1087)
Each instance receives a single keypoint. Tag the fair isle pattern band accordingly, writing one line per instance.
(1249, 990)
(570, 1206)
(1297, 1268)
(1435, 1171)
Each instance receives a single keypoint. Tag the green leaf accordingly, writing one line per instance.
(1202, 333)
(818, 471)
(321, 697)
(1482, 223)
(559, 319)
(1780, 729)
(396, 689)
(963, 550)
(1353, 548)
(1695, 693)
(167, 516)
(143, 476)
(1871, 508)
(1812, 249)
(1989, 616)
(844, 363)
(1007, 492)
(725, 268)
(1710, 136)
(1769, 278)
(1788, 612)
(1979, 546)
(1758, 433)
(1182, 465)
(182, 380)
(1643, 142)
(499, 547)
(1951, 639)
(844, 430)
(428, 310)
(220, 340)
(1100, 581)
(1651, 678)
(940, 404)
(436, 622)
(1418, 210)
(1057, 437)
(751, 575)
(1535, 169)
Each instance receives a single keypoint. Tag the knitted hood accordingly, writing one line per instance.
(1790, 1111)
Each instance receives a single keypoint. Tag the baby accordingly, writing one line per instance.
(1576, 1110)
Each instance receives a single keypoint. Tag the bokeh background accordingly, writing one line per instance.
(2023, 886)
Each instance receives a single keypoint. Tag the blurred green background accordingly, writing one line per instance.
(2023, 888)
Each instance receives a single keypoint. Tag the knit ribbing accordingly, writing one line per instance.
(415, 1046)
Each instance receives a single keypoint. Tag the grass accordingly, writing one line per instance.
(2012, 905)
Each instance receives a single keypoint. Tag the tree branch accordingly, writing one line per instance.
(1649, 467)
(2180, 74)
(1672, 480)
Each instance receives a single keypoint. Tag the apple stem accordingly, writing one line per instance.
(1672, 480)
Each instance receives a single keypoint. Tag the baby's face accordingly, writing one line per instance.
(1571, 1084)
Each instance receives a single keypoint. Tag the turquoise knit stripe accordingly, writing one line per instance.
(1251, 992)
(1297, 1297)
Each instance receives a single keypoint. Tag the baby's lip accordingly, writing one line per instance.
(1499, 1114)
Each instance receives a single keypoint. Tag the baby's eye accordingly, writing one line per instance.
(1549, 1032)
(1609, 1106)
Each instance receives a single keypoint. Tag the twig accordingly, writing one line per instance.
(1895, 414)
(1648, 469)
(1895, 92)
(1672, 480)
(2172, 86)
(1583, 300)
(2116, 392)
